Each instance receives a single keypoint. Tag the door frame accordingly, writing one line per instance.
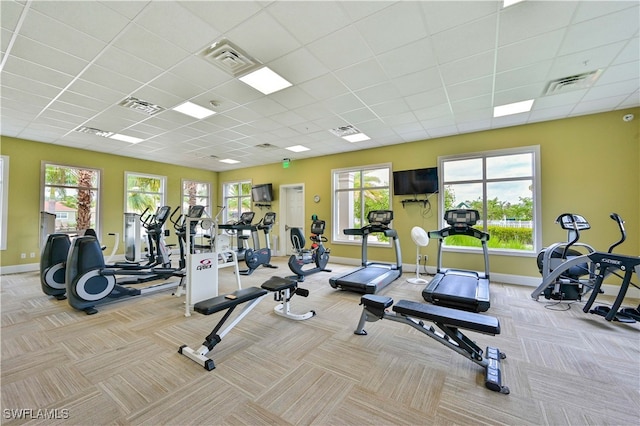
(284, 249)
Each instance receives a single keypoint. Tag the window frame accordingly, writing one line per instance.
(97, 189)
(225, 214)
(4, 200)
(163, 189)
(536, 187)
(185, 206)
(337, 235)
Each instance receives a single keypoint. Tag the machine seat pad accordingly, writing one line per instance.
(376, 302)
(218, 303)
(279, 283)
(448, 316)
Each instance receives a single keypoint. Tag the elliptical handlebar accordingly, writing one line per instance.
(623, 233)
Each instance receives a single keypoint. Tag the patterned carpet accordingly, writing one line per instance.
(121, 366)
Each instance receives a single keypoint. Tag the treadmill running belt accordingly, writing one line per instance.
(457, 287)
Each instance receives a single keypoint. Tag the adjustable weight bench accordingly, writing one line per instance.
(450, 321)
(283, 290)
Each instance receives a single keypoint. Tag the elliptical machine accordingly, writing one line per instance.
(575, 281)
(260, 256)
(317, 254)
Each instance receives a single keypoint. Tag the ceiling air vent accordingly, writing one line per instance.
(266, 146)
(94, 131)
(344, 131)
(230, 58)
(141, 106)
(574, 82)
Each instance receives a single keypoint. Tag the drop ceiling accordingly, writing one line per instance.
(398, 71)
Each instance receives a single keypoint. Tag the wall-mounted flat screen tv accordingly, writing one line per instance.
(262, 193)
(414, 182)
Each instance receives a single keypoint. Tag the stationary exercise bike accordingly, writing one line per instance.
(260, 256)
(317, 254)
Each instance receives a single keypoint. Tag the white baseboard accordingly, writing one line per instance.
(18, 269)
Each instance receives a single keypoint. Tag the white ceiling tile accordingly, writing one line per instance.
(10, 14)
(343, 103)
(585, 61)
(222, 15)
(107, 78)
(92, 18)
(540, 48)
(630, 52)
(600, 31)
(392, 27)
(150, 48)
(469, 68)
(156, 15)
(298, 66)
(33, 51)
(443, 15)
(524, 76)
(309, 20)
(123, 63)
(263, 37)
(200, 73)
(340, 49)
(378, 93)
(470, 89)
(49, 32)
(427, 99)
(626, 71)
(408, 59)
(418, 82)
(531, 18)
(324, 87)
(364, 74)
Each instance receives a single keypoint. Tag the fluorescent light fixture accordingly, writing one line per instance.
(193, 110)
(265, 80)
(507, 3)
(514, 108)
(358, 137)
(125, 138)
(297, 148)
(229, 161)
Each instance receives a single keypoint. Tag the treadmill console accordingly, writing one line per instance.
(380, 217)
(461, 217)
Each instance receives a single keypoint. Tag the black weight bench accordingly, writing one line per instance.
(450, 321)
(283, 288)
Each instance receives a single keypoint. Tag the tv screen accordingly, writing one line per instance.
(414, 182)
(262, 193)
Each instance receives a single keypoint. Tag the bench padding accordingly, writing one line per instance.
(279, 283)
(448, 316)
(215, 304)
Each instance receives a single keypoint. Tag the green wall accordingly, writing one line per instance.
(25, 160)
(589, 166)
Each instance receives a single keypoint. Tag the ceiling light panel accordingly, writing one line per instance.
(298, 148)
(125, 138)
(193, 110)
(229, 161)
(514, 108)
(265, 81)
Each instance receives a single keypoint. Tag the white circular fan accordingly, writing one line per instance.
(421, 239)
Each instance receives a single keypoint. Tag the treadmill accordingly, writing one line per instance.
(371, 276)
(458, 288)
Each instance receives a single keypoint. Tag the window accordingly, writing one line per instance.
(356, 192)
(144, 192)
(237, 200)
(72, 194)
(195, 193)
(503, 186)
(4, 197)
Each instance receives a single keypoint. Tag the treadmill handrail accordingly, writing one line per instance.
(449, 231)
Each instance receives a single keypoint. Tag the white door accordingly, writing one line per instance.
(291, 215)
